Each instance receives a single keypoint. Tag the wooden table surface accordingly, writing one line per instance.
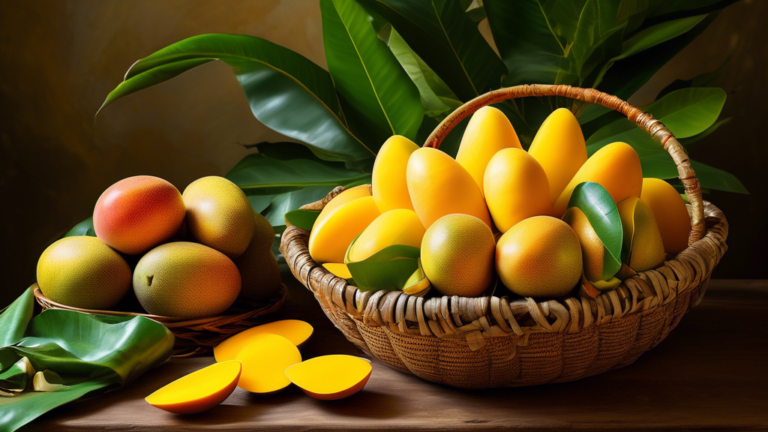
(711, 372)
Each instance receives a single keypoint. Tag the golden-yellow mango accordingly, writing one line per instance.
(339, 200)
(439, 186)
(390, 189)
(560, 149)
(516, 188)
(331, 236)
(395, 227)
(670, 212)
(616, 167)
(488, 131)
(643, 248)
(592, 249)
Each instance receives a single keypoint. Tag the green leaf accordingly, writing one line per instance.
(714, 127)
(662, 166)
(388, 269)
(703, 80)
(377, 97)
(285, 202)
(445, 37)
(14, 319)
(286, 91)
(688, 7)
(84, 228)
(476, 14)
(303, 219)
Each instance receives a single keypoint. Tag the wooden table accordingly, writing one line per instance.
(711, 372)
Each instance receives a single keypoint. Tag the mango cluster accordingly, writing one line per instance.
(195, 253)
(497, 209)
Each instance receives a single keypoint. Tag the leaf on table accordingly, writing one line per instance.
(14, 320)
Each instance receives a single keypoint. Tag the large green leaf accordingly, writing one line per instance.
(688, 7)
(706, 79)
(84, 228)
(445, 37)
(662, 166)
(706, 133)
(304, 219)
(14, 319)
(388, 269)
(286, 91)
(378, 98)
(285, 202)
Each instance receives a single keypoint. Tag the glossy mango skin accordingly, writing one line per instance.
(560, 149)
(592, 249)
(395, 227)
(488, 131)
(440, 186)
(670, 213)
(516, 188)
(331, 236)
(616, 167)
(641, 235)
(390, 190)
(339, 200)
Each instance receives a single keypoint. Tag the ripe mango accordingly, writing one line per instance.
(440, 186)
(259, 271)
(339, 200)
(488, 131)
(516, 188)
(670, 213)
(334, 231)
(643, 248)
(560, 149)
(390, 190)
(616, 167)
(395, 227)
(219, 215)
(199, 391)
(592, 249)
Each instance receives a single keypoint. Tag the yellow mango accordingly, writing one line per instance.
(338, 269)
(516, 188)
(339, 200)
(643, 248)
(388, 179)
(395, 227)
(592, 249)
(560, 149)
(331, 236)
(439, 186)
(670, 212)
(488, 131)
(616, 167)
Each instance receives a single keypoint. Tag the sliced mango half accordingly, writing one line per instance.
(330, 377)
(199, 391)
(295, 331)
(264, 361)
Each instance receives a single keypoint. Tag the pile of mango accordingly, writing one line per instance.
(534, 218)
(193, 254)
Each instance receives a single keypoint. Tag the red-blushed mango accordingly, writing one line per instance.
(670, 213)
(295, 331)
(395, 227)
(138, 213)
(440, 186)
(488, 131)
(616, 167)
(330, 377)
(390, 190)
(264, 360)
(516, 188)
(642, 247)
(560, 149)
(199, 391)
(333, 232)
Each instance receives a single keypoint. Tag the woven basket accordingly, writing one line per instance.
(487, 342)
(197, 336)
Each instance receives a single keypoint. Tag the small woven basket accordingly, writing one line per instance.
(196, 336)
(485, 342)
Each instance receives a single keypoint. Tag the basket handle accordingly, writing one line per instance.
(645, 121)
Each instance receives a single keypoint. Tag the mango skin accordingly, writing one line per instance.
(395, 227)
(560, 149)
(592, 249)
(390, 189)
(488, 131)
(616, 167)
(516, 188)
(641, 235)
(333, 232)
(670, 213)
(440, 186)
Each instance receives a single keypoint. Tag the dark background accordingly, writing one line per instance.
(59, 60)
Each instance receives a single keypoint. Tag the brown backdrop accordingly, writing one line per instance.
(59, 59)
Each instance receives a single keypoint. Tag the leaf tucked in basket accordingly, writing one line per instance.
(388, 269)
(303, 219)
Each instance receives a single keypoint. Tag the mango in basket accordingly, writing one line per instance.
(395, 227)
(330, 377)
(488, 132)
(670, 213)
(390, 190)
(343, 219)
(199, 391)
(643, 248)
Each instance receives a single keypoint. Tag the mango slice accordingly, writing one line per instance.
(488, 131)
(390, 190)
(643, 248)
(339, 269)
(670, 213)
(395, 227)
(264, 361)
(330, 377)
(198, 391)
(332, 234)
(295, 331)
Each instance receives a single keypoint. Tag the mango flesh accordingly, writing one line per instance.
(488, 131)
(137, 213)
(295, 331)
(670, 213)
(616, 167)
(516, 188)
(457, 255)
(264, 361)
(560, 149)
(539, 257)
(440, 186)
(219, 215)
(643, 248)
(330, 377)
(186, 280)
(395, 227)
(390, 190)
(592, 249)
(83, 272)
(258, 267)
(199, 391)
(331, 235)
